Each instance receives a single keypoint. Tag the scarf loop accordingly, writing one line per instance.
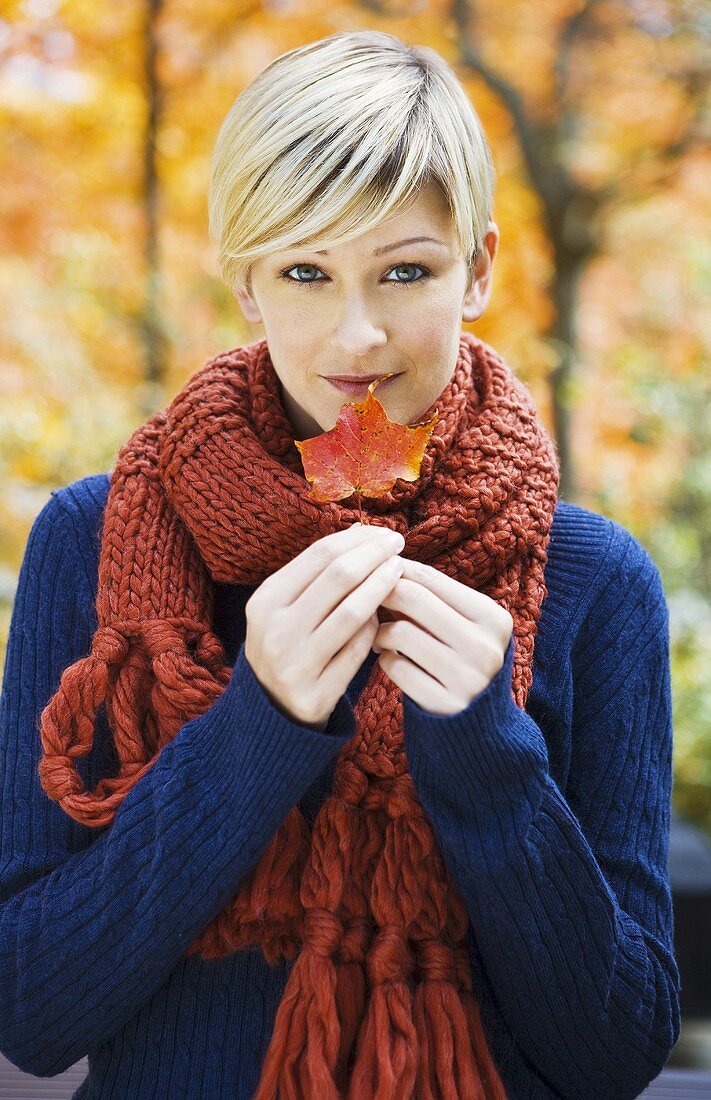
(379, 1003)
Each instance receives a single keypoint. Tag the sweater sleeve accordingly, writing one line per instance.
(568, 897)
(92, 922)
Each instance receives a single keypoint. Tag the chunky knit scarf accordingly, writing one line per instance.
(379, 1002)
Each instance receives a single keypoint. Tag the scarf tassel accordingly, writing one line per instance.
(447, 1069)
(67, 726)
(302, 1057)
(351, 994)
(387, 1054)
(143, 672)
(351, 984)
(324, 998)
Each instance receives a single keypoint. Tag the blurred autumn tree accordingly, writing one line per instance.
(595, 112)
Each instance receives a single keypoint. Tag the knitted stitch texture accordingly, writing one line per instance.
(553, 822)
(380, 1001)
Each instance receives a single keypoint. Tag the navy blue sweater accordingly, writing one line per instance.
(553, 822)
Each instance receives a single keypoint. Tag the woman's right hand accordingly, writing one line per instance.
(311, 624)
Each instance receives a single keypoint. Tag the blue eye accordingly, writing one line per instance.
(311, 282)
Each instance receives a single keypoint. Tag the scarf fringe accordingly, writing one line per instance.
(317, 1019)
(447, 1068)
(131, 661)
(351, 996)
(388, 1048)
(340, 1037)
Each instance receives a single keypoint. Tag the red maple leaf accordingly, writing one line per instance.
(365, 451)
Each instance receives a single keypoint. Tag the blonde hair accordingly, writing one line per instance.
(334, 137)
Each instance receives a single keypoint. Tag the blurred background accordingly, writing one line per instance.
(597, 114)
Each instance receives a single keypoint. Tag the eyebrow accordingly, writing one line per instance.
(390, 247)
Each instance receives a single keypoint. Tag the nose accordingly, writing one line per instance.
(358, 332)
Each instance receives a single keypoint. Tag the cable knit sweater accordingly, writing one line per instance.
(553, 822)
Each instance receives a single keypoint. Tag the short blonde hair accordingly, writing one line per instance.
(334, 137)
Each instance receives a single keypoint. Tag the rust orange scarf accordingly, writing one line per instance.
(379, 1002)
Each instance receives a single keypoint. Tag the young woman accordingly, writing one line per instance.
(296, 805)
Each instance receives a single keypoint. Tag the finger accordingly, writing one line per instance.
(432, 617)
(435, 658)
(319, 611)
(343, 667)
(422, 688)
(469, 602)
(343, 617)
(287, 584)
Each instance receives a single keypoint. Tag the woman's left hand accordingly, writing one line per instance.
(453, 647)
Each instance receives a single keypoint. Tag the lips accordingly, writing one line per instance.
(352, 377)
(355, 384)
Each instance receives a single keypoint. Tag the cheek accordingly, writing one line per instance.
(288, 308)
(436, 314)
(433, 339)
(290, 338)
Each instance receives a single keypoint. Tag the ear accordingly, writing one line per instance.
(477, 295)
(248, 303)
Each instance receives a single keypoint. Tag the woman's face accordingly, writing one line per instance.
(368, 307)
